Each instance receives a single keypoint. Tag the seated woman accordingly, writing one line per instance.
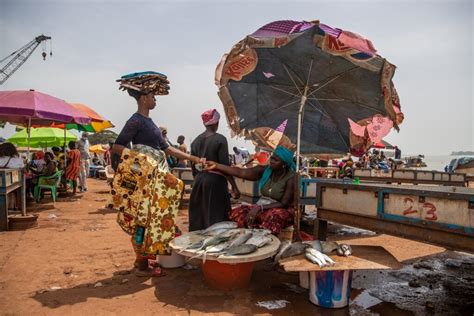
(276, 183)
(49, 168)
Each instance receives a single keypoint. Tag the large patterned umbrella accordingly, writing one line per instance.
(318, 78)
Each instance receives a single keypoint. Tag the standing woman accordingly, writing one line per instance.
(210, 202)
(73, 166)
(146, 194)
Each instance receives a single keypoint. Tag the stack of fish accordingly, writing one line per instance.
(315, 251)
(225, 239)
(146, 82)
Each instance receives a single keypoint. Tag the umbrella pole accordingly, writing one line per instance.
(64, 148)
(23, 191)
(298, 176)
(28, 130)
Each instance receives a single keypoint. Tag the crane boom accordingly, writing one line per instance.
(20, 57)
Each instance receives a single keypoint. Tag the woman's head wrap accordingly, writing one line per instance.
(210, 117)
(286, 156)
(39, 155)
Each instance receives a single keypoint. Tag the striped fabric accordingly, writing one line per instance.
(284, 27)
(329, 30)
(73, 165)
(282, 126)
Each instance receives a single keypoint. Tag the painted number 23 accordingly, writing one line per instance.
(430, 209)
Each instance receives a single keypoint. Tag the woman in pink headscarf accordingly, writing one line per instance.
(210, 202)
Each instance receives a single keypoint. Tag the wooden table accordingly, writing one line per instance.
(11, 180)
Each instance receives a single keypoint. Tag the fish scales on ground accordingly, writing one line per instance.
(240, 250)
(220, 225)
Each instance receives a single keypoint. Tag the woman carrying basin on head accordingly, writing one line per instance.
(144, 191)
(276, 183)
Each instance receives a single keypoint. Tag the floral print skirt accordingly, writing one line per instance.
(147, 198)
(274, 219)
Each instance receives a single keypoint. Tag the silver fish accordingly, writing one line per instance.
(325, 247)
(344, 250)
(220, 225)
(209, 241)
(231, 232)
(295, 249)
(261, 231)
(284, 245)
(218, 248)
(216, 232)
(313, 259)
(241, 250)
(241, 239)
(259, 240)
(321, 257)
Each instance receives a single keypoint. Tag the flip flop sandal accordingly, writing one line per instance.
(156, 272)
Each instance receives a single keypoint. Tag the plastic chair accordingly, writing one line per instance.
(43, 183)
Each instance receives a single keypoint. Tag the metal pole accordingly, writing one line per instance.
(28, 130)
(23, 190)
(298, 176)
(300, 117)
(64, 148)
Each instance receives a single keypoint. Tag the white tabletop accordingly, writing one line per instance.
(181, 242)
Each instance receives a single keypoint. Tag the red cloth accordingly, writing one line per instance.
(210, 117)
(74, 164)
(274, 219)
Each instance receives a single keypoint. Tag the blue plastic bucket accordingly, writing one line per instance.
(330, 289)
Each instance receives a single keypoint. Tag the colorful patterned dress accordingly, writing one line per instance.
(147, 197)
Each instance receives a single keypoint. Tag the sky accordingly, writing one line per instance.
(95, 42)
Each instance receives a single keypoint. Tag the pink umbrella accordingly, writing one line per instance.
(31, 107)
(35, 108)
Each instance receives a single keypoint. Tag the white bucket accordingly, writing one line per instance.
(173, 261)
(304, 279)
(330, 289)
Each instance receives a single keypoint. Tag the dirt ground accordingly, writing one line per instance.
(78, 262)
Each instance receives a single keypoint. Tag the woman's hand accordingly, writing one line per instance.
(235, 194)
(252, 214)
(196, 160)
(210, 165)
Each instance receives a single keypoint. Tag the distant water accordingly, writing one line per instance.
(438, 162)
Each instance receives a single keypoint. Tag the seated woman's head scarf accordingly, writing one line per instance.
(286, 156)
(210, 117)
(144, 83)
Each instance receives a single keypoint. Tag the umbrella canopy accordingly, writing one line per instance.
(310, 74)
(42, 137)
(98, 123)
(36, 108)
